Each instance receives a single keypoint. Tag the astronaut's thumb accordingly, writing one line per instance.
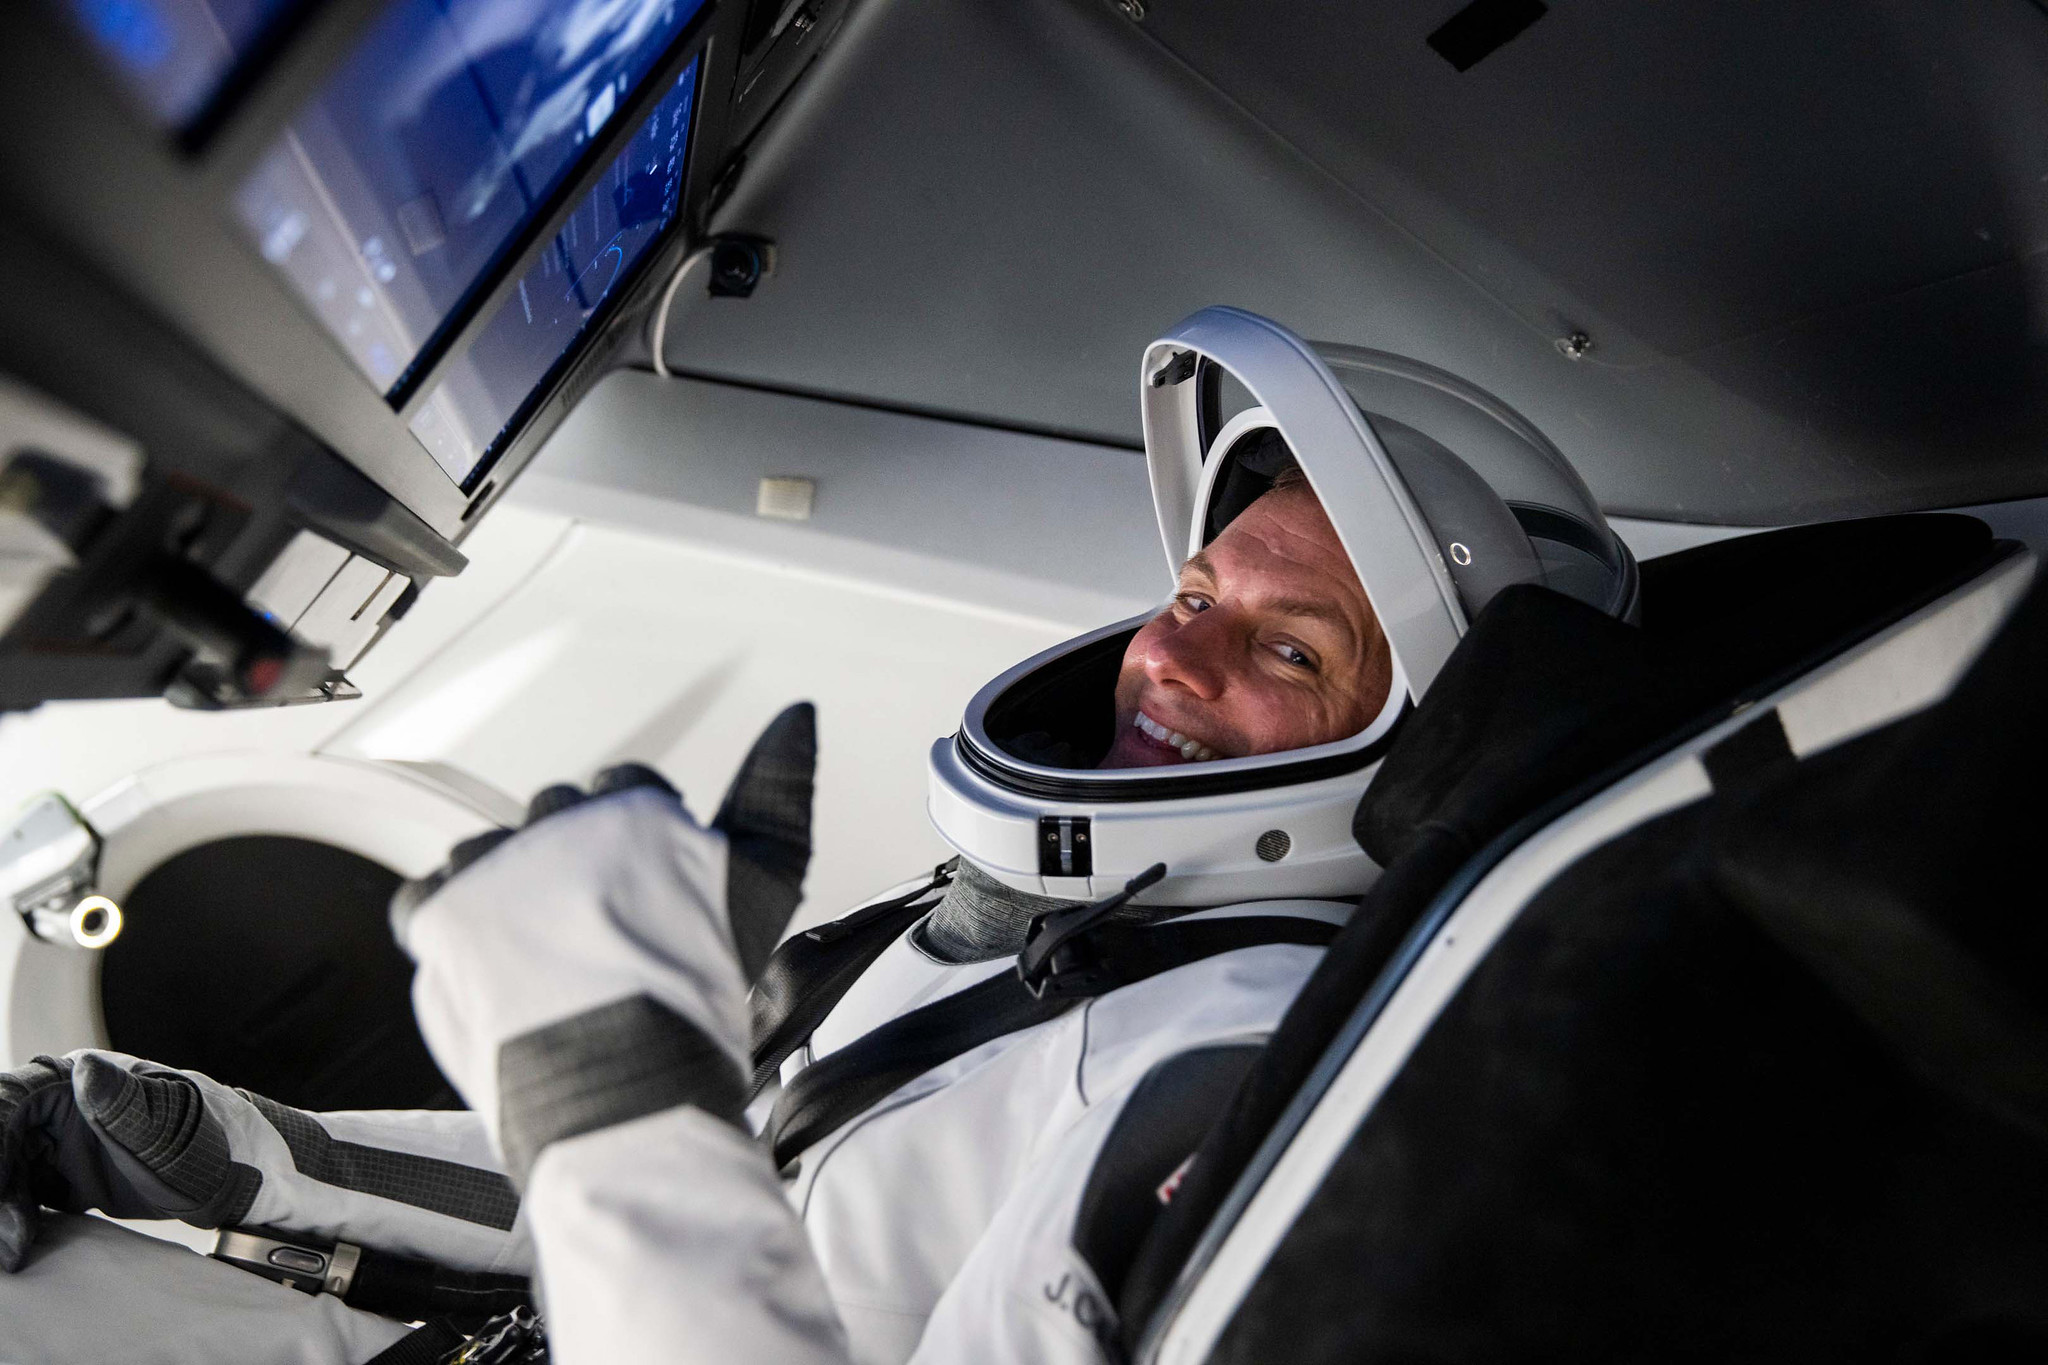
(159, 1120)
(766, 819)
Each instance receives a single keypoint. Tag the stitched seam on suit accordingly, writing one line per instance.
(1081, 1059)
(844, 1135)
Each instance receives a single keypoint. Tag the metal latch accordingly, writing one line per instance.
(1065, 848)
(309, 1267)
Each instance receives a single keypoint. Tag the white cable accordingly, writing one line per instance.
(668, 297)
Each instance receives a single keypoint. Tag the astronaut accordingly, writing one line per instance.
(932, 1130)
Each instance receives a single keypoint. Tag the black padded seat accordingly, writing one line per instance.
(1543, 704)
(1765, 1079)
(1760, 603)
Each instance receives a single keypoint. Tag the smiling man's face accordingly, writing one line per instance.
(1269, 644)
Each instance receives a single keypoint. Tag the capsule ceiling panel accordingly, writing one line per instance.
(1801, 243)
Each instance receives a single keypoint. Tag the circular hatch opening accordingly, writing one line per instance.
(267, 962)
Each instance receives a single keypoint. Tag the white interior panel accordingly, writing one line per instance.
(625, 646)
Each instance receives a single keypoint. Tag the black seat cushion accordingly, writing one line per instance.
(1765, 1079)
(1541, 703)
(1154, 1133)
(1541, 695)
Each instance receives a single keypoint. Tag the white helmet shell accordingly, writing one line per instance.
(1431, 539)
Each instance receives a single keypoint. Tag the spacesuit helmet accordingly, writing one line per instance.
(1441, 496)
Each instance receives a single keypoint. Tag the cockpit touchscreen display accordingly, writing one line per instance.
(433, 145)
(581, 270)
(173, 55)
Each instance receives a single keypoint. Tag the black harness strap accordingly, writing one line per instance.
(811, 971)
(409, 1289)
(826, 1095)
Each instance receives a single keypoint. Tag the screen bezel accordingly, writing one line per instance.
(505, 273)
(496, 273)
(497, 284)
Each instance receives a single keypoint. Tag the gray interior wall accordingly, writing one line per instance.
(976, 516)
(1026, 526)
(985, 208)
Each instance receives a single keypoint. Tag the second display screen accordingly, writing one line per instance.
(576, 275)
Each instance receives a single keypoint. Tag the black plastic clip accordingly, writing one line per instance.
(1059, 961)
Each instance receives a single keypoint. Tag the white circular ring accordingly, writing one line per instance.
(82, 913)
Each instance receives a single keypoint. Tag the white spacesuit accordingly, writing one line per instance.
(968, 1098)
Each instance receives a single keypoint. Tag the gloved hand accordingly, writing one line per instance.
(99, 1130)
(83, 1132)
(593, 967)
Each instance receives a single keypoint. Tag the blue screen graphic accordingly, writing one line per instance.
(582, 267)
(431, 148)
(174, 54)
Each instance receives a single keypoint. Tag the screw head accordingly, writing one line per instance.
(1575, 346)
(1133, 10)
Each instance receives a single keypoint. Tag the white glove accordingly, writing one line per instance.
(584, 985)
(593, 968)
